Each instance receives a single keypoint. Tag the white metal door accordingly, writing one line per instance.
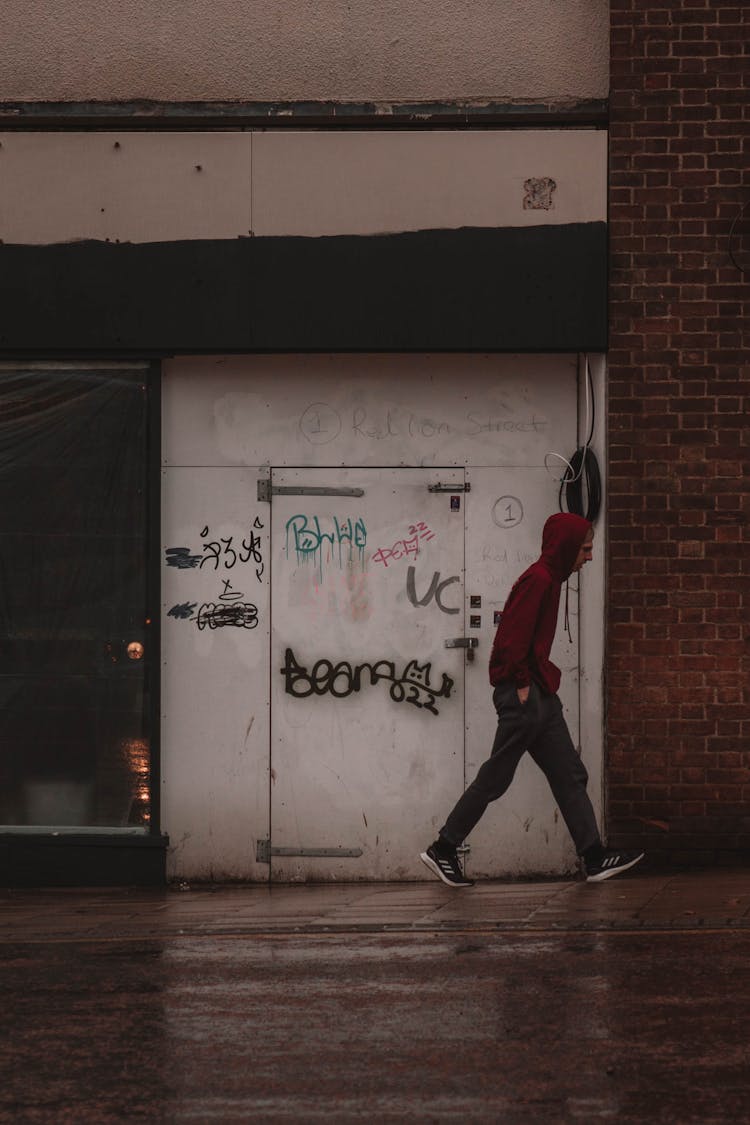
(367, 740)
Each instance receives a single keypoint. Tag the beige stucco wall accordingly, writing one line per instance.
(341, 50)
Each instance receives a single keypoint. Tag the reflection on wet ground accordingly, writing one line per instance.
(471, 1024)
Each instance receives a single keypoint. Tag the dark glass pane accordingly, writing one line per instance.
(74, 747)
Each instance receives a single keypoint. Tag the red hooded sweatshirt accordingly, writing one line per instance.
(524, 637)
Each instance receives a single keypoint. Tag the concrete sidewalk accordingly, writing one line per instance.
(687, 900)
(549, 1003)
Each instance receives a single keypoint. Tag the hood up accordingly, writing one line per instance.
(561, 541)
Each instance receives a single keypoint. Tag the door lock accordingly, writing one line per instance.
(469, 643)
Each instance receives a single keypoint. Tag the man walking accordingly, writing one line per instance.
(530, 716)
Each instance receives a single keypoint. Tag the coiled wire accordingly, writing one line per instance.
(581, 483)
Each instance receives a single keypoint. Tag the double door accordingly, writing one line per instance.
(386, 585)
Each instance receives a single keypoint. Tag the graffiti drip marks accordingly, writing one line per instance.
(340, 680)
(307, 539)
(435, 591)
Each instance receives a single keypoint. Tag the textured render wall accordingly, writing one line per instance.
(348, 50)
(679, 471)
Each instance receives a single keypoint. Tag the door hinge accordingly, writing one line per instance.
(464, 487)
(266, 490)
(264, 852)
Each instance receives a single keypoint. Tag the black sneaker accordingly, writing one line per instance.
(446, 866)
(610, 863)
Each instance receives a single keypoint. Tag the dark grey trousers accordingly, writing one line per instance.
(539, 727)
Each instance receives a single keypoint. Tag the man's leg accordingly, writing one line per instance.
(540, 727)
(517, 727)
(554, 753)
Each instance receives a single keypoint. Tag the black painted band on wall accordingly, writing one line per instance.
(540, 288)
(150, 114)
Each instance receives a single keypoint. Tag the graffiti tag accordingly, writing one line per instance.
(184, 612)
(435, 591)
(181, 558)
(221, 552)
(404, 548)
(231, 611)
(243, 615)
(305, 536)
(340, 680)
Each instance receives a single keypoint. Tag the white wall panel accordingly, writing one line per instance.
(159, 186)
(373, 182)
(126, 187)
(365, 410)
(523, 832)
(215, 728)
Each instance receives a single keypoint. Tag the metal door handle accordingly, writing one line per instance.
(469, 643)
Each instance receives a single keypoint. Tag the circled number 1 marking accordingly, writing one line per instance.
(320, 423)
(507, 511)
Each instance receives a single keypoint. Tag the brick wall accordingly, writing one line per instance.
(678, 666)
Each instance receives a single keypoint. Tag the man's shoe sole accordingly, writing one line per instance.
(602, 875)
(436, 870)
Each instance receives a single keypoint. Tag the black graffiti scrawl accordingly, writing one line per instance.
(221, 554)
(413, 685)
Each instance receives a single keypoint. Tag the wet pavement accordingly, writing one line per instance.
(627, 1001)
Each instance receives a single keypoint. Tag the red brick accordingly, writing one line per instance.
(678, 471)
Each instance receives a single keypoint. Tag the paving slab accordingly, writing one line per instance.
(523, 1004)
(676, 900)
(519, 1027)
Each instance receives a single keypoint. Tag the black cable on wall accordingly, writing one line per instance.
(581, 484)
